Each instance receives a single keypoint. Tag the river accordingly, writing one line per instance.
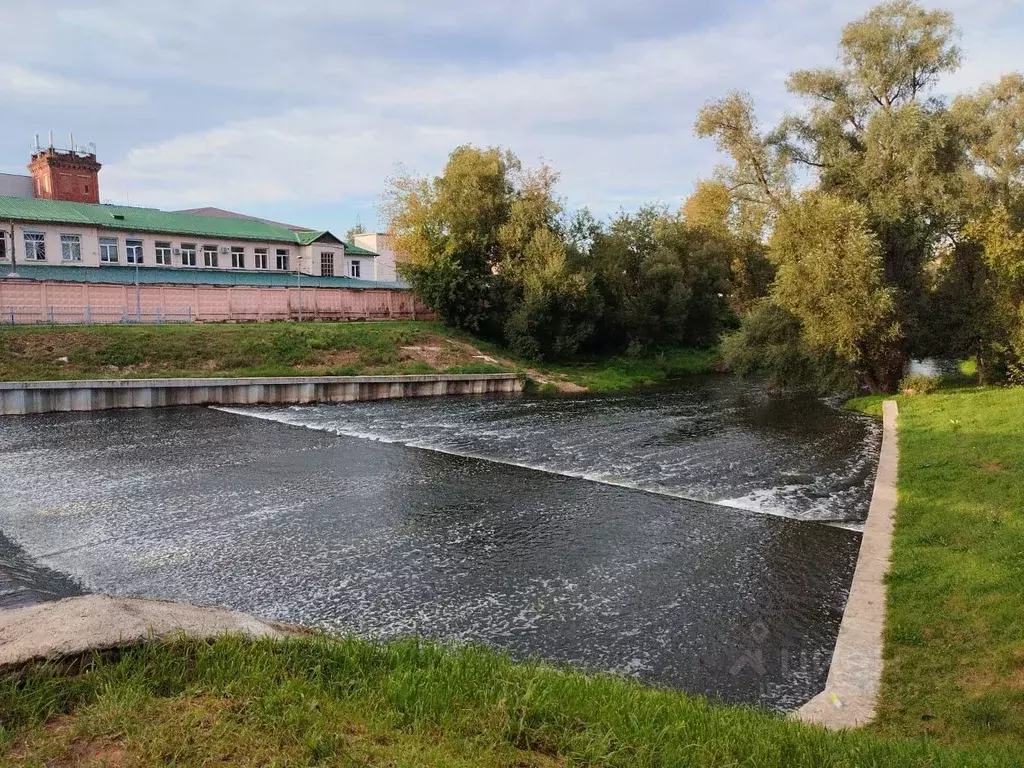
(701, 537)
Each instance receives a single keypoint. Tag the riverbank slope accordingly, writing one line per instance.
(307, 349)
(314, 700)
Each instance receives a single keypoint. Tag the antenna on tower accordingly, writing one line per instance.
(72, 139)
(51, 139)
(37, 143)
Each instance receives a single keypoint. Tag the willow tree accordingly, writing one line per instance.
(872, 134)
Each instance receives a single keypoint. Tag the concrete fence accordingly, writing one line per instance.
(24, 397)
(31, 302)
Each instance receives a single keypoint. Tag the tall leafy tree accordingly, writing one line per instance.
(873, 135)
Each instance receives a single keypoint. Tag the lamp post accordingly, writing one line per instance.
(298, 281)
(138, 300)
(14, 261)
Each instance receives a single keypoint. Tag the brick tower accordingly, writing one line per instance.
(65, 175)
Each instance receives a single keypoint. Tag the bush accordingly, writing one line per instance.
(919, 384)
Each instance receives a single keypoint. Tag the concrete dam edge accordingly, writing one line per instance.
(30, 397)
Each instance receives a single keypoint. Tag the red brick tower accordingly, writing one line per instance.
(65, 175)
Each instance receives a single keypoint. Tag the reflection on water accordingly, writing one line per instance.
(350, 534)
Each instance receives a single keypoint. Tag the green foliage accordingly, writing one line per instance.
(770, 345)
(830, 277)
(872, 261)
(490, 249)
(919, 384)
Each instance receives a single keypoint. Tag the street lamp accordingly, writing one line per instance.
(138, 300)
(298, 281)
(14, 261)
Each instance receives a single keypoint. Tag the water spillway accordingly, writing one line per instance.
(438, 525)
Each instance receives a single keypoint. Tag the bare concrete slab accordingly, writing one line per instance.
(851, 690)
(93, 622)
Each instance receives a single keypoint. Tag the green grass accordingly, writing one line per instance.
(348, 702)
(954, 641)
(266, 349)
(618, 373)
(291, 349)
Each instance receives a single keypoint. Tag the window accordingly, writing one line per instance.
(259, 258)
(70, 247)
(163, 254)
(327, 264)
(108, 250)
(133, 251)
(237, 257)
(35, 246)
(354, 268)
(3, 245)
(209, 255)
(188, 254)
(282, 258)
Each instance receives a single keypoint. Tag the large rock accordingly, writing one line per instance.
(80, 624)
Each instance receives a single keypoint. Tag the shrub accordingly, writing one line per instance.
(919, 384)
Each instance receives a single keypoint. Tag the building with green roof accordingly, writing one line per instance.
(76, 235)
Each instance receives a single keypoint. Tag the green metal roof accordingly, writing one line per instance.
(26, 209)
(354, 250)
(120, 275)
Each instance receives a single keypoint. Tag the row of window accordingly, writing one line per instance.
(164, 253)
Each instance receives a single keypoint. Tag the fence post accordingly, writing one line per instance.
(190, 314)
(12, 315)
(88, 314)
(159, 320)
(52, 317)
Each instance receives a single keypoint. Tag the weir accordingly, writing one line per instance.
(26, 397)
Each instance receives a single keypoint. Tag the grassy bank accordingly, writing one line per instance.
(310, 701)
(954, 644)
(265, 349)
(291, 349)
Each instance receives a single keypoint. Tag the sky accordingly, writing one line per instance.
(300, 110)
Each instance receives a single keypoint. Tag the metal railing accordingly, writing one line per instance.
(89, 315)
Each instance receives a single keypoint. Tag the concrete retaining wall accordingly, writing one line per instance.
(851, 690)
(22, 397)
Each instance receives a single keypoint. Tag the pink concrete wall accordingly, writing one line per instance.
(100, 302)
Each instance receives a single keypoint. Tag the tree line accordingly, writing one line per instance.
(882, 222)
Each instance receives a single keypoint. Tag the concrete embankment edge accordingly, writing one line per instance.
(851, 690)
(95, 622)
(25, 397)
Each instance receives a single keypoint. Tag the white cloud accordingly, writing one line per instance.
(613, 115)
(36, 87)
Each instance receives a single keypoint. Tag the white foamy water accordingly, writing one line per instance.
(733, 446)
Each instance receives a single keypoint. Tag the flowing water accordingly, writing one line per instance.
(574, 528)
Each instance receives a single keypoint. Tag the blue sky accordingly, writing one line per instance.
(299, 111)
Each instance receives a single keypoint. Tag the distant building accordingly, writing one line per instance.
(382, 244)
(54, 217)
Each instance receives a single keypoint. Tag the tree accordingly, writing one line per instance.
(449, 227)
(873, 136)
(712, 215)
(358, 229)
(830, 277)
(486, 251)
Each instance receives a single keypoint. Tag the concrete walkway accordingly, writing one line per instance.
(93, 622)
(851, 690)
